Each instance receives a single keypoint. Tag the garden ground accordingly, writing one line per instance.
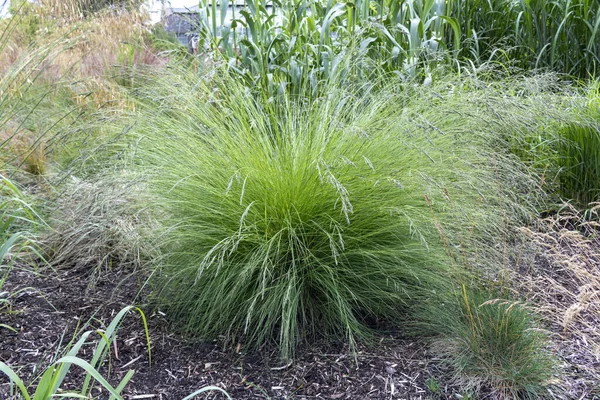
(46, 310)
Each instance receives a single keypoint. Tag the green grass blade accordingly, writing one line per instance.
(14, 378)
(90, 371)
(123, 383)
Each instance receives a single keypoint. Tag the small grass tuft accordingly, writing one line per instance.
(493, 343)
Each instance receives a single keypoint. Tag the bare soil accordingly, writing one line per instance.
(48, 309)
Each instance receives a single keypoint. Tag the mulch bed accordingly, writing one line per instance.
(48, 309)
(558, 273)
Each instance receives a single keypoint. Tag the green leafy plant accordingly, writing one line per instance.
(560, 35)
(48, 385)
(433, 385)
(17, 220)
(279, 44)
(578, 158)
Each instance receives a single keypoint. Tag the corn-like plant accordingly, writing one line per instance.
(274, 41)
(280, 43)
(48, 385)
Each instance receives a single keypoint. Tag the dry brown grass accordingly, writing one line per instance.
(558, 270)
(98, 42)
(21, 147)
(79, 60)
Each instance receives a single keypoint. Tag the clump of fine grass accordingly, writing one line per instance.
(97, 225)
(17, 220)
(492, 343)
(286, 219)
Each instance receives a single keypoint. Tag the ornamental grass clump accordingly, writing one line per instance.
(98, 224)
(287, 219)
(492, 342)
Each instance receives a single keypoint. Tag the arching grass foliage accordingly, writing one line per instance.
(287, 218)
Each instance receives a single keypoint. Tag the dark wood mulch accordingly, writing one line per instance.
(48, 309)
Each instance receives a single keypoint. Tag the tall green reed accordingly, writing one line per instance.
(578, 161)
(562, 36)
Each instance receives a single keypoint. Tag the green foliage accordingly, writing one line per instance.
(48, 385)
(491, 341)
(560, 35)
(287, 218)
(162, 40)
(579, 163)
(277, 44)
(565, 148)
(16, 218)
(433, 385)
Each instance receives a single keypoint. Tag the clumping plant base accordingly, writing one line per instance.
(287, 222)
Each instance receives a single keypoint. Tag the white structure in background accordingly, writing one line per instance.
(185, 22)
(182, 22)
(155, 7)
(4, 4)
